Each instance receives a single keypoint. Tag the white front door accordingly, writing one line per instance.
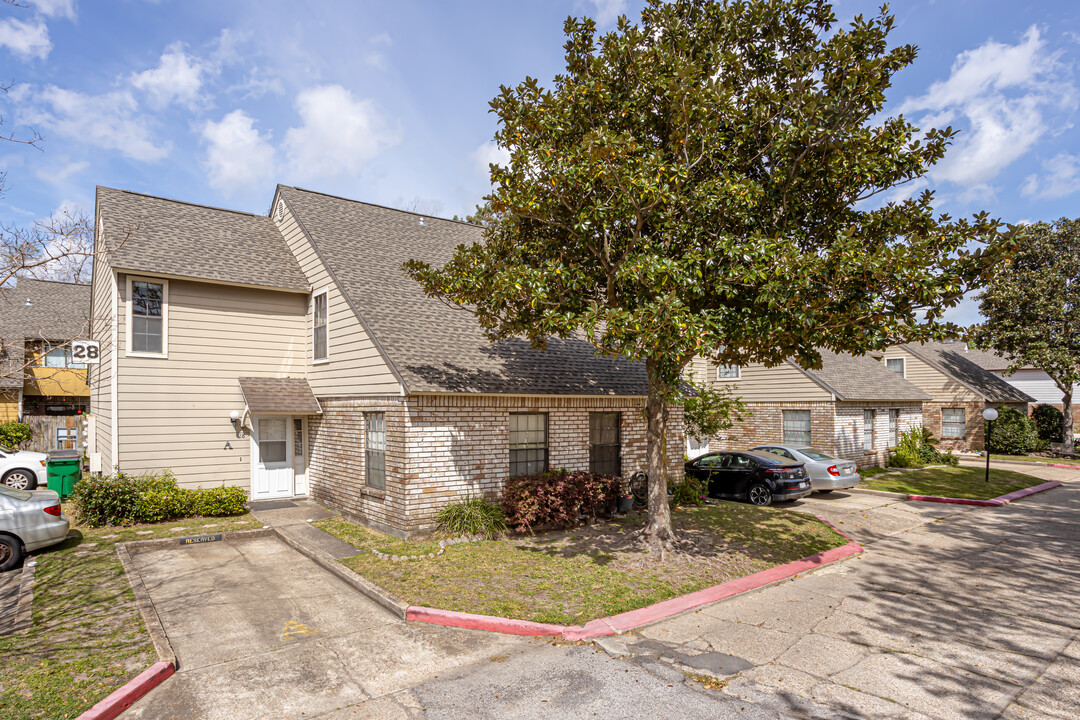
(271, 457)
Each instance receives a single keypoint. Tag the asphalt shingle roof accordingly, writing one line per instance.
(57, 311)
(863, 378)
(950, 358)
(292, 395)
(434, 347)
(187, 240)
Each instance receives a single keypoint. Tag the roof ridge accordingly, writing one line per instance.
(185, 202)
(382, 207)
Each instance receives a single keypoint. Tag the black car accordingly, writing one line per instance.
(757, 477)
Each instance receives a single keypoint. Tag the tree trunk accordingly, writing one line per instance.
(659, 534)
(1067, 431)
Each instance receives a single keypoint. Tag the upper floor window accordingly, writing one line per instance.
(60, 357)
(148, 313)
(727, 372)
(320, 327)
(896, 365)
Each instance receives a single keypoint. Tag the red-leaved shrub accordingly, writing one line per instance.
(557, 498)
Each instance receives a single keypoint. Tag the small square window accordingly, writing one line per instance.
(896, 365)
(727, 372)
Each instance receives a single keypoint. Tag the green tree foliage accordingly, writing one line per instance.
(707, 181)
(13, 434)
(1013, 433)
(1049, 422)
(1032, 307)
(708, 411)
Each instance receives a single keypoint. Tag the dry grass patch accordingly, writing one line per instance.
(590, 572)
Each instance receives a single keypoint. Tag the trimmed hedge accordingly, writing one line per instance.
(1013, 433)
(123, 499)
(557, 499)
(13, 433)
(1049, 423)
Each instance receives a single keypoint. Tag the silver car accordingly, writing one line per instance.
(827, 473)
(28, 520)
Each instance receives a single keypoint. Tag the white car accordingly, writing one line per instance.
(22, 469)
(827, 473)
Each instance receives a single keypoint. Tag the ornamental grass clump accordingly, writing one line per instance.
(474, 516)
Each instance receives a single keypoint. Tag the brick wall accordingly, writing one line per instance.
(974, 437)
(765, 424)
(441, 448)
(849, 438)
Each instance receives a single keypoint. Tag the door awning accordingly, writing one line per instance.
(279, 395)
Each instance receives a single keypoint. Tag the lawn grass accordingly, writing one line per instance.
(88, 638)
(957, 482)
(872, 471)
(576, 576)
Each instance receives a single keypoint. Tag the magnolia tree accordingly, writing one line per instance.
(703, 182)
(1032, 308)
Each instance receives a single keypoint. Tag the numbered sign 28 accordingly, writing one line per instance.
(86, 351)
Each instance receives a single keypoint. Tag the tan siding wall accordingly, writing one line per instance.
(174, 412)
(940, 386)
(355, 366)
(100, 375)
(9, 405)
(758, 383)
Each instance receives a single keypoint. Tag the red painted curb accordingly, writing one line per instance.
(635, 618)
(992, 502)
(122, 699)
(1068, 467)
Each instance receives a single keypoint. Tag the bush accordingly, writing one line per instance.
(132, 499)
(690, 492)
(915, 450)
(12, 434)
(557, 498)
(1049, 423)
(1013, 433)
(473, 516)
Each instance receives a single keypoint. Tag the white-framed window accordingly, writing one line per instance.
(797, 428)
(727, 372)
(375, 450)
(953, 423)
(320, 326)
(868, 429)
(896, 365)
(528, 444)
(148, 317)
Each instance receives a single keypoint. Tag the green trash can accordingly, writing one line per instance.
(63, 469)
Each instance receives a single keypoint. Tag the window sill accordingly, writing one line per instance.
(324, 361)
(159, 356)
(373, 492)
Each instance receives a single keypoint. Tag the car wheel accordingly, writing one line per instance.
(824, 492)
(20, 480)
(759, 494)
(11, 553)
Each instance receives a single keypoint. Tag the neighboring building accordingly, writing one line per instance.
(349, 384)
(1029, 380)
(39, 382)
(960, 390)
(852, 407)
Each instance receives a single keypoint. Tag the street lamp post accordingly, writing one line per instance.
(989, 415)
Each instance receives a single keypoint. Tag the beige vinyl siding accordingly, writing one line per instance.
(355, 366)
(757, 383)
(937, 384)
(100, 375)
(174, 413)
(9, 405)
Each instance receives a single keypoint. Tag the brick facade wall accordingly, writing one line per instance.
(849, 432)
(764, 423)
(974, 438)
(442, 448)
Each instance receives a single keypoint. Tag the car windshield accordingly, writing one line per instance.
(17, 494)
(815, 454)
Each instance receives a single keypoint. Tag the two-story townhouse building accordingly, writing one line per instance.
(40, 383)
(289, 354)
(960, 389)
(852, 407)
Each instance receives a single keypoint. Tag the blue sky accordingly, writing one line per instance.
(216, 102)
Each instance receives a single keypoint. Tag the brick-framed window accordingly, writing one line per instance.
(528, 444)
(894, 428)
(605, 443)
(375, 450)
(797, 428)
(953, 423)
(868, 429)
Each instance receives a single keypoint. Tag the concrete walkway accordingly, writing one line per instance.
(953, 612)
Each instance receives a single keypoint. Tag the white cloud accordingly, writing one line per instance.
(1004, 92)
(110, 121)
(237, 155)
(375, 55)
(1061, 178)
(339, 135)
(58, 175)
(56, 8)
(25, 39)
(487, 154)
(608, 11)
(177, 78)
